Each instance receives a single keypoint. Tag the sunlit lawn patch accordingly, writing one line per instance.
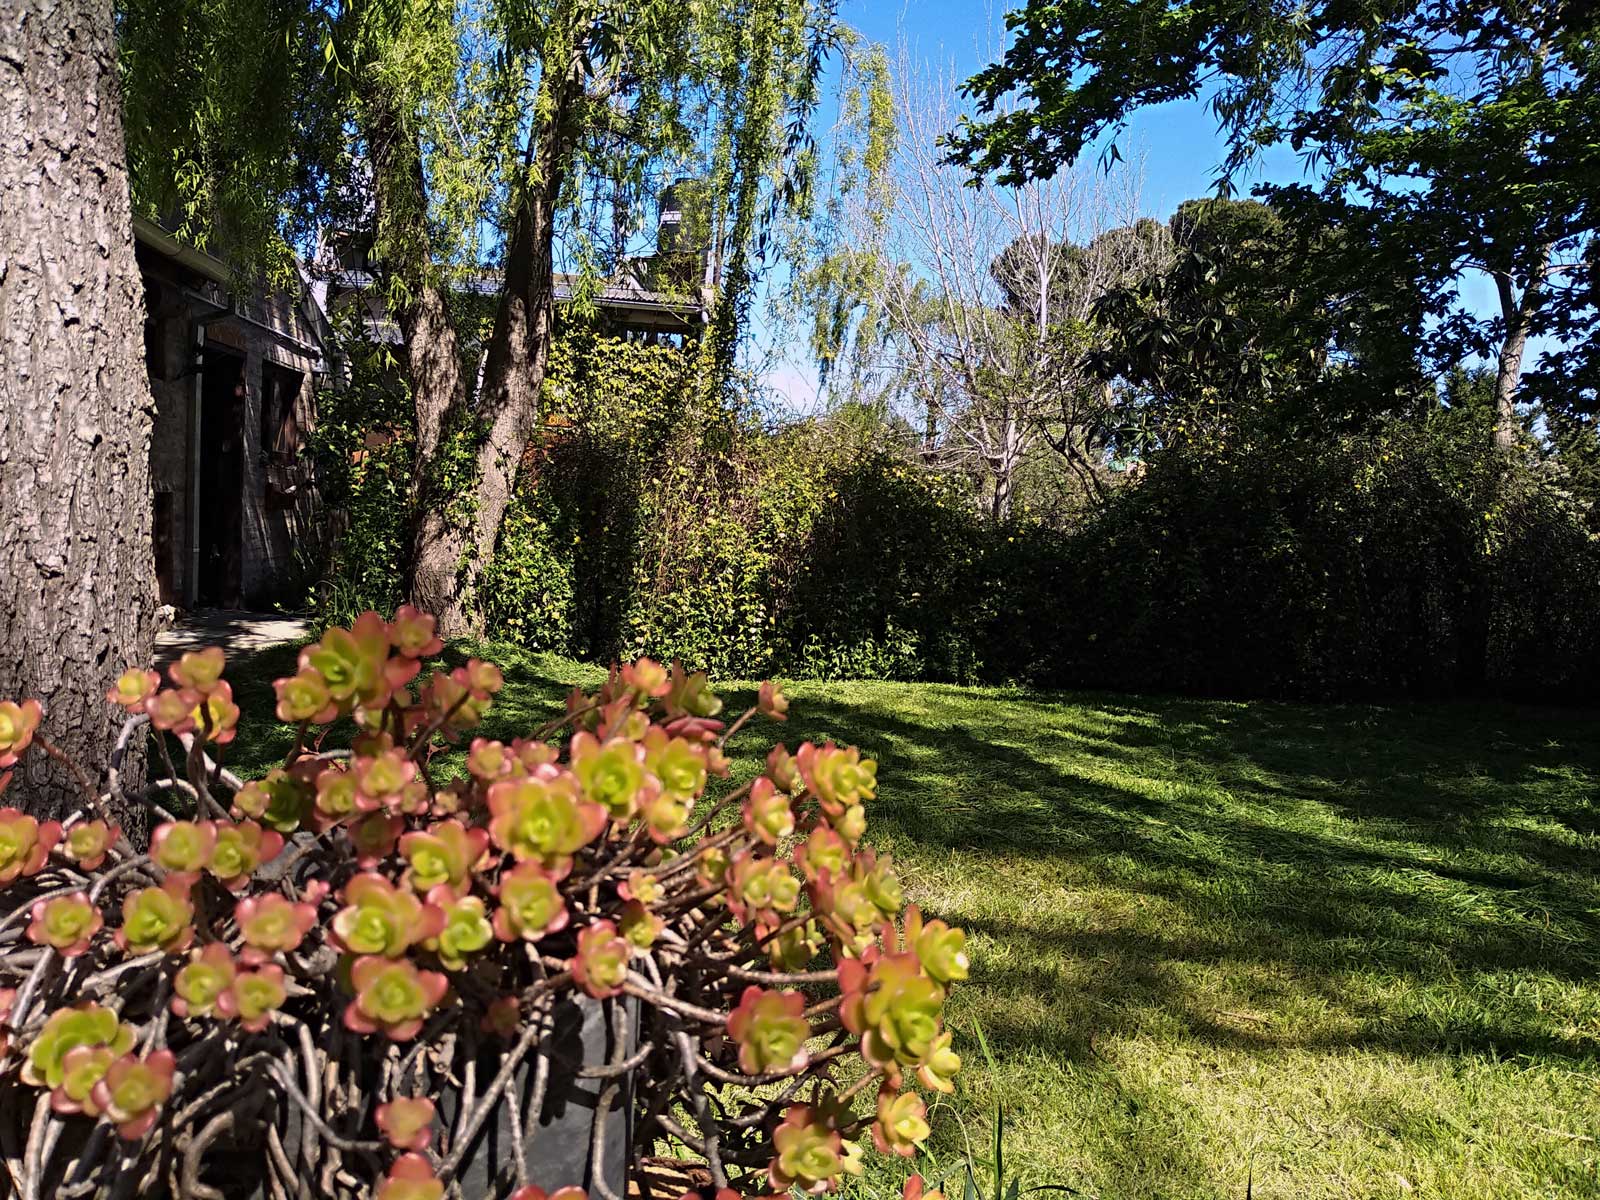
(1334, 951)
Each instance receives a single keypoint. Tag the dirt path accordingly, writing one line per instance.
(237, 632)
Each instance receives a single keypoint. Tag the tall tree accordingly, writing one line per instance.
(470, 136)
(1469, 127)
(971, 305)
(77, 581)
(578, 105)
(234, 124)
(450, 553)
(404, 63)
(1263, 324)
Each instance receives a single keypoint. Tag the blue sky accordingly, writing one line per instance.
(1179, 141)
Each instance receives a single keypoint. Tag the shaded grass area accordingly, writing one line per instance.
(1331, 951)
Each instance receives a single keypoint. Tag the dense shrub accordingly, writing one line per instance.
(636, 486)
(364, 445)
(695, 534)
(1411, 561)
(1544, 628)
(881, 571)
(1317, 573)
(530, 589)
(652, 519)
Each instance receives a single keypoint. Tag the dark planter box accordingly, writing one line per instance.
(558, 1143)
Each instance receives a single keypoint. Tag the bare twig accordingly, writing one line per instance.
(697, 1099)
(636, 986)
(536, 1029)
(283, 1077)
(34, 1153)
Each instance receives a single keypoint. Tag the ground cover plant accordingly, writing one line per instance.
(1318, 951)
(347, 972)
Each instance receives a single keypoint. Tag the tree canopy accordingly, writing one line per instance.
(1468, 129)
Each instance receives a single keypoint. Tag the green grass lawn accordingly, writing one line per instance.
(1328, 951)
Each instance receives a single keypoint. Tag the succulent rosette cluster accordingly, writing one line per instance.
(337, 934)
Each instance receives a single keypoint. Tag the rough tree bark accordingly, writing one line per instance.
(77, 578)
(400, 190)
(449, 556)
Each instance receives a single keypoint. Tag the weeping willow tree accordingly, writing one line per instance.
(516, 135)
(234, 125)
(523, 135)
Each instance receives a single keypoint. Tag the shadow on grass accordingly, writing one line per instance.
(1333, 858)
(1326, 847)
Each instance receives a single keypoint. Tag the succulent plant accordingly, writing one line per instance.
(809, 1153)
(131, 1092)
(771, 1031)
(543, 820)
(65, 923)
(902, 1123)
(531, 904)
(382, 918)
(87, 843)
(253, 996)
(201, 983)
(65, 1031)
(406, 1123)
(601, 964)
(82, 1068)
(466, 929)
(766, 955)
(133, 687)
(305, 699)
(392, 997)
(17, 725)
(768, 813)
(25, 843)
(240, 848)
(410, 1178)
(183, 848)
(613, 775)
(157, 918)
(442, 854)
(270, 924)
(199, 671)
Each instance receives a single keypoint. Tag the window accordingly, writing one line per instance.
(280, 426)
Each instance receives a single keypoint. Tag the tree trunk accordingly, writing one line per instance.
(449, 558)
(438, 390)
(77, 577)
(1518, 314)
(1005, 468)
(406, 250)
(434, 359)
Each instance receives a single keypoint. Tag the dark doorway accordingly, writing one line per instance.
(219, 579)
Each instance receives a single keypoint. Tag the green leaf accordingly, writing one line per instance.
(999, 1159)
